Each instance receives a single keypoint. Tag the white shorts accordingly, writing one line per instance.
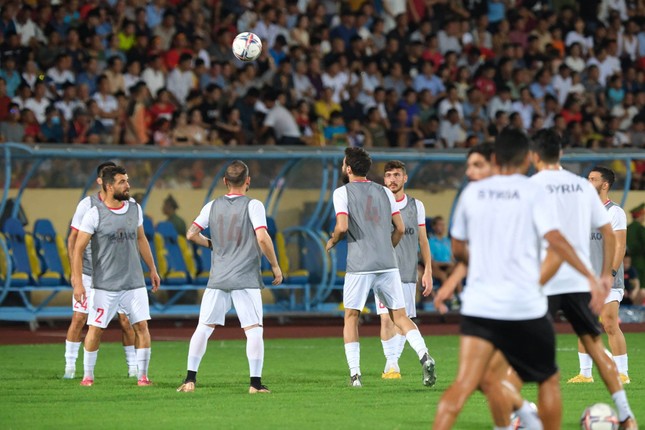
(216, 303)
(133, 303)
(409, 295)
(82, 308)
(615, 295)
(386, 285)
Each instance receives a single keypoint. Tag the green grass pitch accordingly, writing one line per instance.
(308, 377)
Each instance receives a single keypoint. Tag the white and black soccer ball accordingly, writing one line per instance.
(247, 46)
(599, 416)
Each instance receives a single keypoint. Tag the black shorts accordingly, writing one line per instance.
(528, 345)
(575, 307)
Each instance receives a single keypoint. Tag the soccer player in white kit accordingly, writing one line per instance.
(365, 212)
(602, 179)
(80, 310)
(415, 238)
(115, 229)
(239, 237)
(498, 225)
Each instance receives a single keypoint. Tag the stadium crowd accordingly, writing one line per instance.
(416, 73)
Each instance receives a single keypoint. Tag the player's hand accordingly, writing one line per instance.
(440, 296)
(607, 282)
(330, 245)
(277, 275)
(426, 282)
(156, 281)
(79, 289)
(598, 294)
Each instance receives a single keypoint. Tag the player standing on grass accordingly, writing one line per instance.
(498, 225)
(602, 179)
(407, 251)
(239, 237)
(365, 211)
(79, 310)
(115, 229)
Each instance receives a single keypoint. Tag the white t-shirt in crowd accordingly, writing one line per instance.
(503, 219)
(576, 204)
(90, 221)
(257, 214)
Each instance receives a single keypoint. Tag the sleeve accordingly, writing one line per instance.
(81, 209)
(543, 218)
(459, 229)
(393, 206)
(340, 201)
(618, 219)
(257, 214)
(140, 221)
(90, 221)
(203, 218)
(599, 215)
(421, 213)
(269, 120)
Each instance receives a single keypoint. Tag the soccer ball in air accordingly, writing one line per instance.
(599, 417)
(247, 46)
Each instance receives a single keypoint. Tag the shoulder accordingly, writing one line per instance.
(84, 204)
(255, 204)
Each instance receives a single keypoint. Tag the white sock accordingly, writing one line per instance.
(71, 353)
(143, 361)
(130, 356)
(390, 350)
(353, 354)
(197, 347)
(89, 362)
(529, 417)
(255, 350)
(401, 347)
(622, 405)
(417, 343)
(621, 363)
(586, 363)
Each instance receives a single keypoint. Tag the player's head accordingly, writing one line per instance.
(395, 175)
(115, 181)
(478, 162)
(357, 162)
(547, 147)
(602, 178)
(512, 149)
(99, 170)
(237, 175)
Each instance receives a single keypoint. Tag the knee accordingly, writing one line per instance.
(610, 325)
(140, 327)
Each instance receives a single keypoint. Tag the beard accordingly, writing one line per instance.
(394, 188)
(121, 197)
(345, 178)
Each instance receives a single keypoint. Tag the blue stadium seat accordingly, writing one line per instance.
(48, 245)
(177, 273)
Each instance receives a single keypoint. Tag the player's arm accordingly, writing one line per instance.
(266, 245)
(399, 228)
(82, 240)
(146, 254)
(71, 241)
(340, 230)
(619, 249)
(424, 246)
(608, 254)
(448, 288)
(195, 235)
(460, 251)
(550, 266)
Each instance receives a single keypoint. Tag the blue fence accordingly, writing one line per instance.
(313, 276)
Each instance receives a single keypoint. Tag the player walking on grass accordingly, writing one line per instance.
(498, 225)
(80, 310)
(365, 211)
(414, 238)
(239, 237)
(602, 179)
(115, 230)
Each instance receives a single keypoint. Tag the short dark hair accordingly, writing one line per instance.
(359, 160)
(511, 147)
(102, 166)
(109, 173)
(236, 173)
(484, 149)
(547, 144)
(394, 164)
(606, 174)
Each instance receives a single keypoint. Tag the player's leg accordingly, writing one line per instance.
(474, 356)
(102, 308)
(135, 305)
(75, 330)
(586, 364)
(215, 304)
(127, 339)
(502, 399)
(389, 341)
(550, 402)
(248, 306)
(355, 292)
(615, 336)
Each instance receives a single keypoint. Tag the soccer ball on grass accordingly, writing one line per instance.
(599, 416)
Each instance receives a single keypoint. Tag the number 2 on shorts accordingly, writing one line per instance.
(100, 312)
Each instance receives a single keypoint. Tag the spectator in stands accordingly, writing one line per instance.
(169, 209)
(279, 122)
(451, 132)
(52, 128)
(166, 30)
(182, 80)
(39, 102)
(185, 134)
(230, 128)
(5, 101)
(10, 75)
(136, 127)
(33, 134)
(441, 250)
(12, 129)
(68, 102)
(114, 74)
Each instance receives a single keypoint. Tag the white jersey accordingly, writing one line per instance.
(257, 214)
(90, 221)
(503, 219)
(579, 210)
(618, 222)
(421, 210)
